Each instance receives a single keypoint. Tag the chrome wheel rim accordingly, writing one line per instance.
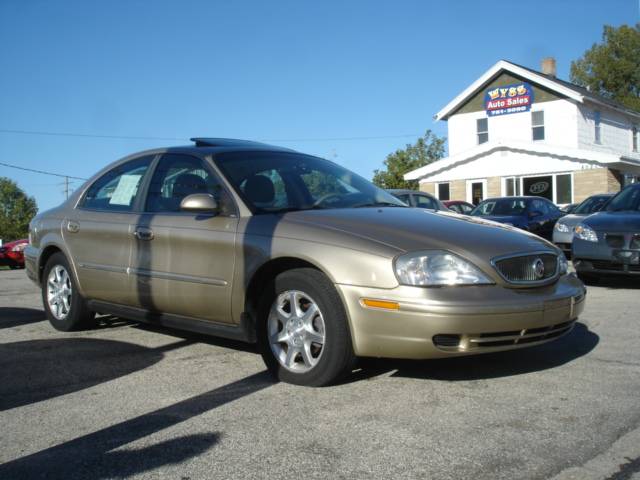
(296, 331)
(59, 292)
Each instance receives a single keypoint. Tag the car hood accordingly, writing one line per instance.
(572, 220)
(14, 243)
(614, 221)
(411, 229)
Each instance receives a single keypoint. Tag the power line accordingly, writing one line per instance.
(140, 137)
(33, 170)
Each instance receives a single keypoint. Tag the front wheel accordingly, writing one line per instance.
(65, 308)
(303, 329)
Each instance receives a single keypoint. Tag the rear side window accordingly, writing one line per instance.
(422, 201)
(178, 176)
(117, 190)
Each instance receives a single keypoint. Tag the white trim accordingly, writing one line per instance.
(554, 184)
(468, 189)
(597, 158)
(496, 69)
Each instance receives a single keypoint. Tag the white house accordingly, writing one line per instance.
(517, 131)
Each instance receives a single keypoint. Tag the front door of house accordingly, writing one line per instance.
(476, 190)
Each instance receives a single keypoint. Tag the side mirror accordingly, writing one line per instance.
(199, 203)
(535, 213)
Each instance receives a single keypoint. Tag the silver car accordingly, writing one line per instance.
(563, 229)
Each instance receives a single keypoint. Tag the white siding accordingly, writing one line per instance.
(560, 121)
(615, 130)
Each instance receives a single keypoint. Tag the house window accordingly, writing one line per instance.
(512, 187)
(597, 135)
(634, 139)
(443, 191)
(537, 125)
(563, 188)
(482, 126)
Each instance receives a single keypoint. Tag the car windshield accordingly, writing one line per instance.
(501, 206)
(626, 200)
(591, 205)
(281, 181)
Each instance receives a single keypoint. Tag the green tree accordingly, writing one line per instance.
(612, 68)
(16, 211)
(427, 149)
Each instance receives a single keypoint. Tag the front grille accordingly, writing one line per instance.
(614, 240)
(523, 268)
(502, 339)
(635, 242)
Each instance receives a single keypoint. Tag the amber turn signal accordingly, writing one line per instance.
(369, 302)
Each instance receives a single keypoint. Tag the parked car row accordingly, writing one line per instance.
(602, 233)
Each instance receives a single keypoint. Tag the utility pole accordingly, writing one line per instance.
(66, 188)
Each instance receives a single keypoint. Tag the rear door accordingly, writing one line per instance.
(183, 262)
(98, 235)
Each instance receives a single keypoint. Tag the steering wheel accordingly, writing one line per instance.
(324, 198)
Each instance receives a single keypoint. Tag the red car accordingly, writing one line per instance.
(12, 254)
(459, 206)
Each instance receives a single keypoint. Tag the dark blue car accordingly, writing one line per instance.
(534, 214)
(609, 241)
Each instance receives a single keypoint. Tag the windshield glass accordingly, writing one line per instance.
(282, 181)
(501, 206)
(626, 200)
(591, 205)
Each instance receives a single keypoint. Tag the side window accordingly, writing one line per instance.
(405, 198)
(266, 189)
(422, 201)
(466, 209)
(117, 189)
(539, 206)
(177, 176)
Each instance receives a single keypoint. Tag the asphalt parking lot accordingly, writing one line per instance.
(131, 401)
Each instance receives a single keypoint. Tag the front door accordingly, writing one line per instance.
(98, 232)
(476, 191)
(183, 262)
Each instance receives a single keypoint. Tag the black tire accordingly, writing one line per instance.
(337, 359)
(15, 266)
(79, 316)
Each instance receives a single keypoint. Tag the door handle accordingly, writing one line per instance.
(143, 233)
(72, 226)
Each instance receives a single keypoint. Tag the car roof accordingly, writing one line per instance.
(519, 197)
(211, 145)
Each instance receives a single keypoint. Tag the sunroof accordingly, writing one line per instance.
(223, 142)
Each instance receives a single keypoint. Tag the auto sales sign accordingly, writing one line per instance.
(514, 98)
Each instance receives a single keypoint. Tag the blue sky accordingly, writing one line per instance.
(264, 70)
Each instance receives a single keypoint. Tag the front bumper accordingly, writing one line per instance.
(450, 321)
(598, 257)
(563, 240)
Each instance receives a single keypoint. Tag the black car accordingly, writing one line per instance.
(609, 241)
(534, 214)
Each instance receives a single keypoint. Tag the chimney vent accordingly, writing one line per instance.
(548, 66)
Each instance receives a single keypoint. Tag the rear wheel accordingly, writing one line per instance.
(63, 304)
(303, 330)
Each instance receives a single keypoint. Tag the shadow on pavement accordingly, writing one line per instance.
(489, 365)
(36, 370)
(92, 456)
(14, 317)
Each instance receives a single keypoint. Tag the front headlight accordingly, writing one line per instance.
(563, 264)
(436, 268)
(584, 232)
(561, 227)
